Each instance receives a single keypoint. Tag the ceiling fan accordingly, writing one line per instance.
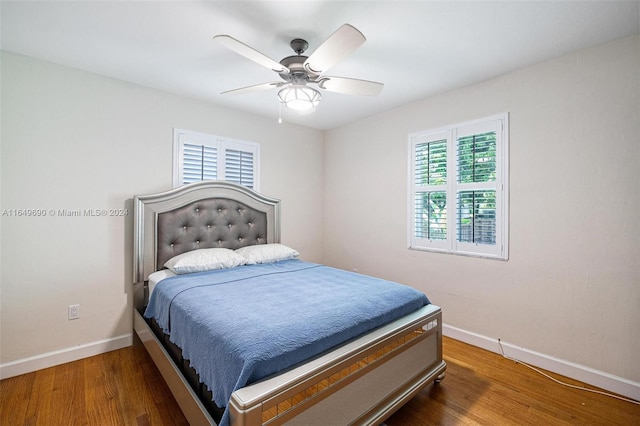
(298, 72)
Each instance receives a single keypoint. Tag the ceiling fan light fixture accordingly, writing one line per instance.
(299, 97)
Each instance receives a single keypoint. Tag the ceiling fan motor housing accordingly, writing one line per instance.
(297, 73)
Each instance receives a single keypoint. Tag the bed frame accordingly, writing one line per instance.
(361, 382)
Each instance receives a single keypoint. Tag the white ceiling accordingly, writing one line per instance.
(416, 48)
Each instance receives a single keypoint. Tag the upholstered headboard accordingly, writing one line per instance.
(213, 222)
(199, 215)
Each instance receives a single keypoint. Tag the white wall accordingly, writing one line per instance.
(571, 288)
(74, 140)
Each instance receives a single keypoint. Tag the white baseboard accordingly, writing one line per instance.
(600, 379)
(49, 359)
(609, 382)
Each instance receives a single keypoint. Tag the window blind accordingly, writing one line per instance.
(476, 217)
(476, 210)
(239, 167)
(199, 162)
(476, 156)
(431, 163)
(431, 215)
(430, 171)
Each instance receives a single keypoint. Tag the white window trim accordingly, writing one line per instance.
(180, 136)
(451, 133)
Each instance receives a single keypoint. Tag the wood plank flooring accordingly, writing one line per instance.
(481, 388)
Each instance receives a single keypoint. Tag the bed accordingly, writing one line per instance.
(383, 356)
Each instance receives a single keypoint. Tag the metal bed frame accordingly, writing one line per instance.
(361, 382)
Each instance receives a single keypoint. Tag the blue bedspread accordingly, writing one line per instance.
(237, 326)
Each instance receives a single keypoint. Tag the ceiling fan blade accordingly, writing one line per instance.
(254, 88)
(250, 53)
(350, 86)
(344, 41)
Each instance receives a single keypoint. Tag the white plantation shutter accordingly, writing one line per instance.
(199, 156)
(239, 167)
(459, 189)
(476, 217)
(431, 215)
(477, 157)
(199, 162)
(476, 206)
(431, 163)
(429, 180)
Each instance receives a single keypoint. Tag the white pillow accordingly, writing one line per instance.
(266, 253)
(204, 260)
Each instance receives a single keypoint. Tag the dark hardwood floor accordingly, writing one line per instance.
(481, 388)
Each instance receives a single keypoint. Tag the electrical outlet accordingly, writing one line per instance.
(74, 312)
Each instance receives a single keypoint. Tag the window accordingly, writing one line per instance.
(459, 188)
(199, 156)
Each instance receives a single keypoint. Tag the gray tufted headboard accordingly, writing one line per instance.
(214, 222)
(199, 215)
